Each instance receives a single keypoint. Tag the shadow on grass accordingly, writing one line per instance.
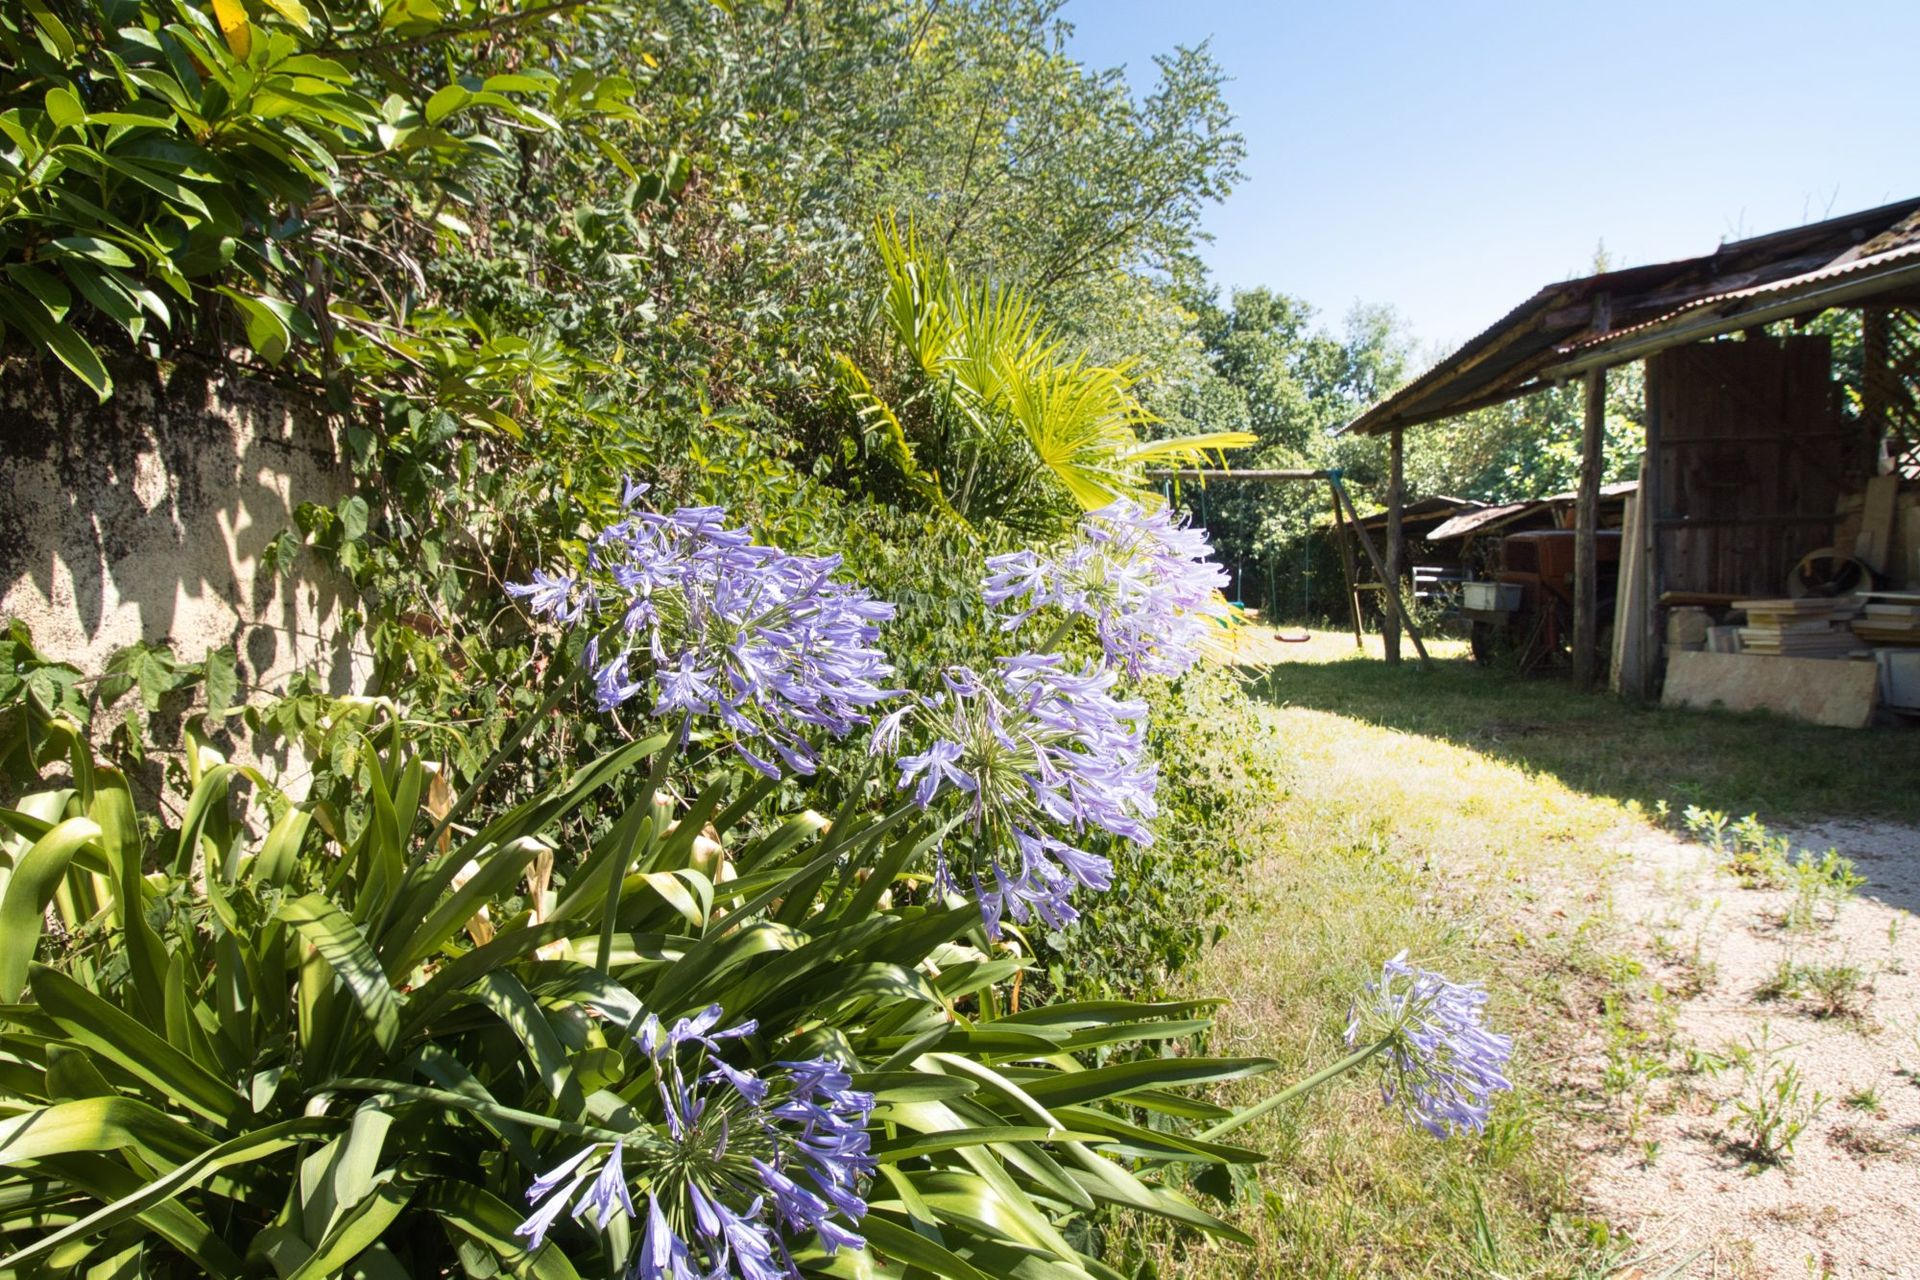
(1737, 762)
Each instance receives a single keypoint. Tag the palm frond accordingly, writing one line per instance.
(1012, 392)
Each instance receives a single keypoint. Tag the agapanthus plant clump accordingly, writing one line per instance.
(1442, 1065)
(713, 625)
(1025, 753)
(1146, 579)
(742, 1166)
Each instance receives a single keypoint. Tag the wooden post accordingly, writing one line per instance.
(1586, 521)
(1391, 596)
(1396, 538)
(1346, 562)
(1653, 510)
(1878, 382)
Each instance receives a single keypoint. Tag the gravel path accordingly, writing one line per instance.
(1735, 1004)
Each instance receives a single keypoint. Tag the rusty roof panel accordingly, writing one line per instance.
(1508, 358)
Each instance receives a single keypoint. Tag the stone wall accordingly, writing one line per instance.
(145, 518)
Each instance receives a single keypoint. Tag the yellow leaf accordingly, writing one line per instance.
(232, 17)
(293, 11)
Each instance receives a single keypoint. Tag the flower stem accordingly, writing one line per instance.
(1288, 1094)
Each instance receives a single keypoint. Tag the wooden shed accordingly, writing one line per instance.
(1751, 460)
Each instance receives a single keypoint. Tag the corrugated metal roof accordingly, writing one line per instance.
(1492, 517)
(1906, 251)
(1588, 319)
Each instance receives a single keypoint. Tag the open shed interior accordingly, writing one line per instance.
(1761, 485)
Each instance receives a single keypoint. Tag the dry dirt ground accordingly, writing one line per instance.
(1748, 1008)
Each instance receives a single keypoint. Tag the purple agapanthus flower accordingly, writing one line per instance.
(1031, 747)
(1442, 1064)
(1147, 581)
(720, 628)
(749, 1162)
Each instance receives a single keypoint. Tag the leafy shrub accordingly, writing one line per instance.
(1169, 902)
(353, 1041)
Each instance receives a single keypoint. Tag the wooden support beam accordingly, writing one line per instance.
(1391, 596)
(1346, 562)
(1586, 522)
(1645, 684)
(1396, 535)
(1877, 385)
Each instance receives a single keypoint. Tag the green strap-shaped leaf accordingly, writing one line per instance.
(97, 1124)
(1123, 1078)
(93, 1023)
(341, 944)
(210, 791)
(342, 1173)
(504, 994)
(1078, 1015)
(490, 1220)
(492, 1111)
(360, 1227)
(29, 889)
(280, 852)
(911, 1247)
(108, 1181)
(242, 1150)
(113, 808)
(499, 869)
(920, 1144)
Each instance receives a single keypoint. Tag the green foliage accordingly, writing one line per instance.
(160, 160)
(522, 254)
(1764, 860)
(1269, 369)
(1774, 1107)
(299, 1042)
(995, 421)
(1170, 902)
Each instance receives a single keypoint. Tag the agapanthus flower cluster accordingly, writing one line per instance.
(749, 1163)
(717, 626)
(1026, 748)
(1146, 580)
(1442, 1065)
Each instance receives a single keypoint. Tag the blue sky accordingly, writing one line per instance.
(1450, 157)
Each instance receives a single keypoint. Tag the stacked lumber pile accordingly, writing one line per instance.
(1889, 618)
(1799, 628)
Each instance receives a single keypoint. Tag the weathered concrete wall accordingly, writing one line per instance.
(145, 519)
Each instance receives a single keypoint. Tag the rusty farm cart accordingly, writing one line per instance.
(1525, 615)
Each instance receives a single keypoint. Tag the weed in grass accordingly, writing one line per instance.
(1835, 989)
(1865, 1098)
(1761, 859)
(1635, 1058)
(1774, 1107)
(1820, 886)
(1709, 825)
(1697, 1061)
(1782, 984)
(1695, 970)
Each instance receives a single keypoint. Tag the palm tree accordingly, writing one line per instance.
(997, 420)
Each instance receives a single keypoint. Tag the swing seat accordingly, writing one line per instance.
(1284, 638)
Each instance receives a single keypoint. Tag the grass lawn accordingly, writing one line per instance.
(1600, 745)
(1428, 811)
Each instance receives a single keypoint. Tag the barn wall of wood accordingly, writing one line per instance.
(1755, 454)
